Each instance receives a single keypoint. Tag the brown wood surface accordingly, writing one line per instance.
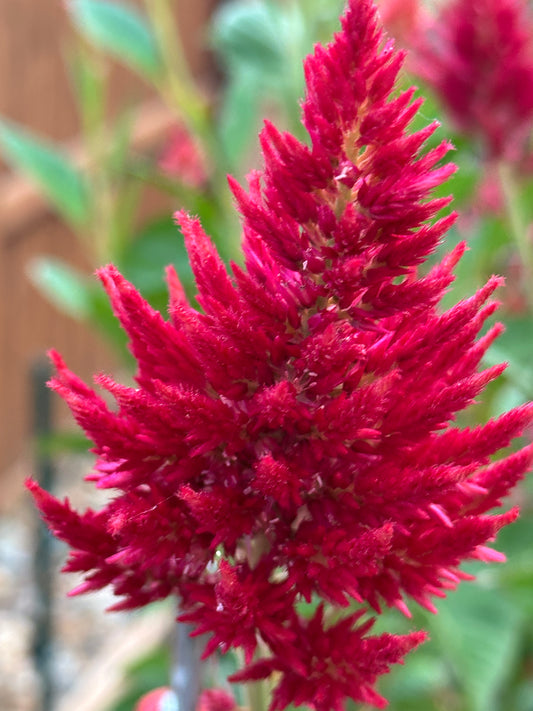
(34, 90)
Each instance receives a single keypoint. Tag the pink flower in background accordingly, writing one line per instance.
(294, 440)
(403, 19)
(154, 700)
(478, 56)
(216, 700)
(163, 699)
(183, 159)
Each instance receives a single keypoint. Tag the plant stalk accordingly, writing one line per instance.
(519, 228)
(186, 673)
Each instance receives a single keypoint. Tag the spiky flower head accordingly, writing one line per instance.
(478, 56)
(293, 441)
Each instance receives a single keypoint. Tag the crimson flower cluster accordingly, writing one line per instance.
(478, 56)
(293, 440)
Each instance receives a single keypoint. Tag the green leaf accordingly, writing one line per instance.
(105, 321)
(516, 576)
(515, 345)
(62, 442)
(121, 30)
(424, 674)
(63, 286)
(226, 665)
(149, 672)
(480, 631)
(248, 35)
(239, 116)
(78, 296)
(53, 172)
(158, 244)
(88, 77)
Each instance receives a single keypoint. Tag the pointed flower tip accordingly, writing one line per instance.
(55, 357)
(237, 190)
(426, 603)
(417, 638)
(452, 259)
(110, 277)
(171, 273)
(192, 230)
(496, 281)
(107, 269)
(32, 486)
(402, 607)
(81, 589)
(40, 496)
(448, 145)
(182, 217)
(489, 555)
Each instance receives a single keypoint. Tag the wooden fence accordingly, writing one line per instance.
(34, 90)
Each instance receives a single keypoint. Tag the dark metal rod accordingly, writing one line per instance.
(186, 673)
(42, 566)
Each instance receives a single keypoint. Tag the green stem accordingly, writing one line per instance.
(176, 84)
(257, 693)
(93, 70)
(519, 227)
(103, 201)
(179, 90)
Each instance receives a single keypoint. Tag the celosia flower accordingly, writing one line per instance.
(163, 699)
(478, 56)
(403, 19)
(294, 440)
(183, 159)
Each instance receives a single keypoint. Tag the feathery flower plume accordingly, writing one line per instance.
(294, 440)
(478, 56)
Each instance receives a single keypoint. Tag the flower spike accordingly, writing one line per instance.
(294, 440)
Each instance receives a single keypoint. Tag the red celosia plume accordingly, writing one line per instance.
(294, 440)
(478, 56)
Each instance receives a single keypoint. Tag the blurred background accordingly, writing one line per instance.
(112, 116)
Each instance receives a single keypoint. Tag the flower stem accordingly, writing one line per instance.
(256, 692)
(519, 227)
(181, 93)
(176, 84)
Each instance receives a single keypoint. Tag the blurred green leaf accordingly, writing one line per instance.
(65, 287)
(103, 318)
(61, 442)
(515, 345)
(158, 244)
(515, 578)
(121, 30)
(78, 296)
(248, 34)
(150, 671)
(88, 77)
(222, 666)
(52, 171)
(239, 116)
(524, 697)
(515, 541)
(480, 632)
(423, 677)
(506, 397)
